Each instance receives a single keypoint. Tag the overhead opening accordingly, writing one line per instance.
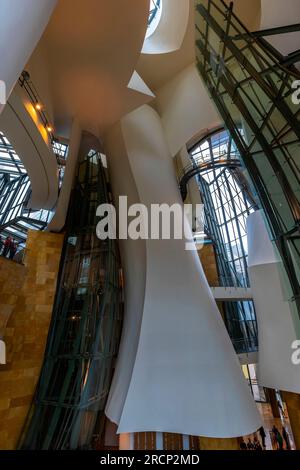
(154, 16)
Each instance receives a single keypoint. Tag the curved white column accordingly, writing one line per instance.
(59, 219)
(186, 377)
(278, 323)
(133, 256)
(23, 22)
(185, 108)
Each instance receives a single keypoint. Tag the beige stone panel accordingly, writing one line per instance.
(26, 302)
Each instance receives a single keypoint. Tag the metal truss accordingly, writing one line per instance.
(252, 86)
(84, 335)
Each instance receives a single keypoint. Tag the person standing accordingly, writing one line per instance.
(12, 249)
(278, 438)
(250, 445)
(262, 434)
(257, 445)
(243, 445)
(7, 245)
(286, 438)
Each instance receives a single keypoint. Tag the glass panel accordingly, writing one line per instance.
(252, 91)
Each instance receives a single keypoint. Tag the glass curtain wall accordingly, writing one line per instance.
(227, 204)
(252, 88)
(15, 191)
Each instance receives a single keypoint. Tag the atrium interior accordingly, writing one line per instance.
(150, 225)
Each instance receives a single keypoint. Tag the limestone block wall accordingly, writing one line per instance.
(208, 260)
(11, 281)
(26, 330)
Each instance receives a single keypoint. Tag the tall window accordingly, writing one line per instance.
(228, 202)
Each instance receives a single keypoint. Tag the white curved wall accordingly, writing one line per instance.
(38, 159)
(186, 378)
(133, 256)
(193, 188)
(278, 323)
(23, 22)
(185, 108)
(58, 221)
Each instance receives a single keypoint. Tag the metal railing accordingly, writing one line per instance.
(26, 83)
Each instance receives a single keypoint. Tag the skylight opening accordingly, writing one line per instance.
(154, 18)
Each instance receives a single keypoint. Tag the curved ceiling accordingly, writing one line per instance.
(92, 49)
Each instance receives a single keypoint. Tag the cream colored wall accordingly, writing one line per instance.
(249, 12)
(185, 108)
(38, 68)
(281, 13)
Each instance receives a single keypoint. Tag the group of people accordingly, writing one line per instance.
(8, 248)
(251, 445)
(278, 440)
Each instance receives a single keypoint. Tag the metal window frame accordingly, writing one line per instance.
(227, 72)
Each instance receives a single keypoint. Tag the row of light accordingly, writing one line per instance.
(39, 107)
